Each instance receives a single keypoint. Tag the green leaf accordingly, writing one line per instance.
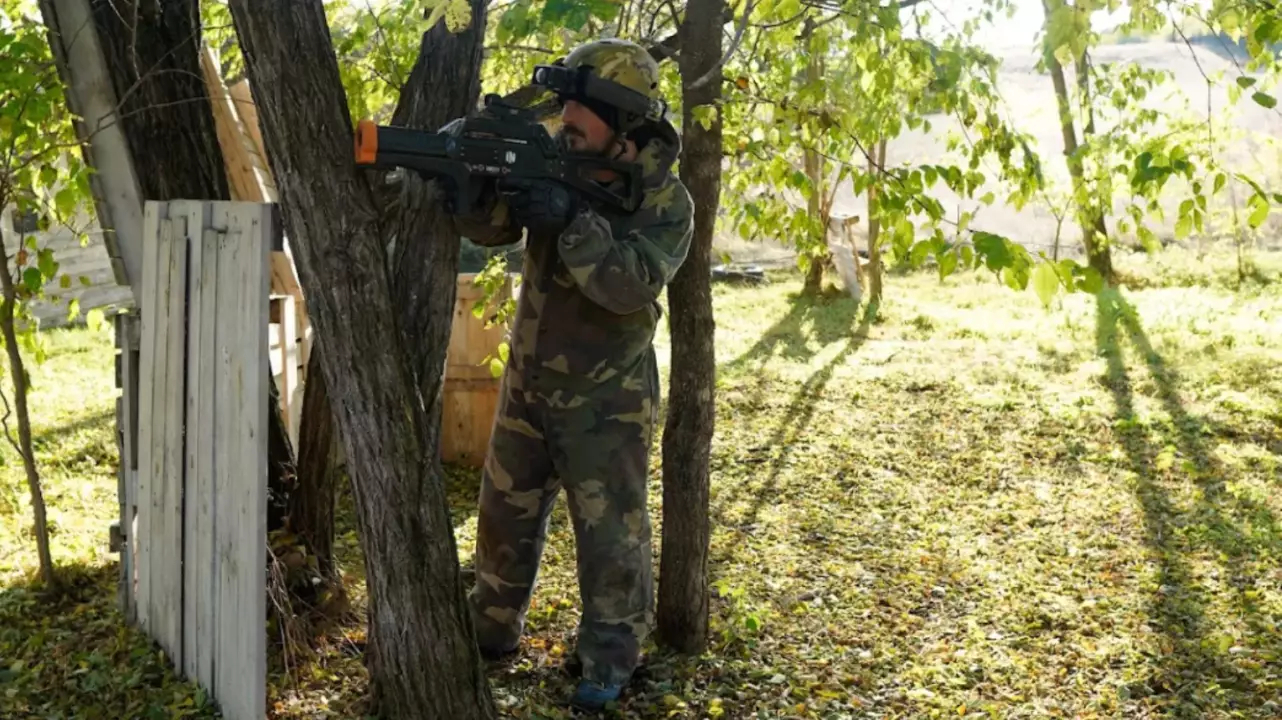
(48, 266)
(567, 13)
(704, 115)
(1259, 211)
(1264, 99)
(947, 264)
(32, 279)
(994, 250)
(95, 319)
(1183, 227)
(1016, 277)
(1148, 239)
(64, 282)
(1045, 283)
(1090, 281)
(1245, 81)
(1220, 179)
(65, 201)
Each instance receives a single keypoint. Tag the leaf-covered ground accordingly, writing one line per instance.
(967, 506)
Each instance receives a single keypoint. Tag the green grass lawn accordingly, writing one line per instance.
(967, 506)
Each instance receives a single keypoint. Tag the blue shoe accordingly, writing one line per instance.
(591, 695)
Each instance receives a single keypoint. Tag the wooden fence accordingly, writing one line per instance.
(193, 370)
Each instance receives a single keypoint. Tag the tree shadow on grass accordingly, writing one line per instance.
(1195, 669)
(777, 451)
(55, 436)
(821, 320)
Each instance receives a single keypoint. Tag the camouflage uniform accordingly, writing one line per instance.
(578, 408)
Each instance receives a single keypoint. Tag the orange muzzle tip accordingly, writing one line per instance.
(366, 142)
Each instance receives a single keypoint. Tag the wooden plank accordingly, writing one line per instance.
(289, 388)
(151, 359)
(123, 599)
(243, 270)
(248, 172)
(169, 572)
(196, 216)
(127, 341)
(243, 101)
(242, 176)
(201, 431)
(91, 95)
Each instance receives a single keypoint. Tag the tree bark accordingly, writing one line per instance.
(311, 507)
(152, 52)
(1090, 216)
(425, 662)
(18, 373)
(682, 613)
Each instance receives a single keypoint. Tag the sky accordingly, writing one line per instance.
(1018, 31)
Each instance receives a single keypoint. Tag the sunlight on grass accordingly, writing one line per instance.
(967, 506)
(72, 405)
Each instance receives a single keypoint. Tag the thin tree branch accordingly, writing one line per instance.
(383, 41)
(715, 70)
(781, 23)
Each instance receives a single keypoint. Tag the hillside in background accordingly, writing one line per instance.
(1030, 106)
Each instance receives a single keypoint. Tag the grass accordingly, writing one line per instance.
(965, 506)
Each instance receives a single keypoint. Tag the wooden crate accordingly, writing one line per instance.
(471, 392)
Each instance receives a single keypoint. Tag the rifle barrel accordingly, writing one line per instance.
(375, 143)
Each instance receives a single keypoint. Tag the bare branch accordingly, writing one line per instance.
(715, 70)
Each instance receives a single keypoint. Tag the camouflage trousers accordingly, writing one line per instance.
(597, 448)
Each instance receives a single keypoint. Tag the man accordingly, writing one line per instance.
(579, 395)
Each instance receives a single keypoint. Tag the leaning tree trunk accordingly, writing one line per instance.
(1090, 213)
(151, 53)
(425, 662)
(682, 613)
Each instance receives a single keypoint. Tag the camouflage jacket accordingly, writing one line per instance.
(588, 300)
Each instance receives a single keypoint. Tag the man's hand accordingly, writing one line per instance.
(454, 202)
(539, 204)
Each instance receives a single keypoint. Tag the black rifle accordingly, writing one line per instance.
(500, 141)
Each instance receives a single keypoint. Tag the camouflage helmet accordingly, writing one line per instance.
(617, 73)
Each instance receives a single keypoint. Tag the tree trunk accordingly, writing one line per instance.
(1090, 217)
(874, 228)
(814, 165)
(151, 53)
(18, 372)
(425, 663)
(682, 613)
(311, 507)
